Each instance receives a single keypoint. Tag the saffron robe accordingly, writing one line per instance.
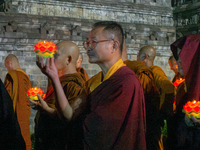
(10, 134)
(17, 83)
(185, 137)
(166, 89)
(154, 118)
(55, 133)
(85, 75)
(116, 114)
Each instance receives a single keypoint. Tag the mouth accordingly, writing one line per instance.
(90, 53)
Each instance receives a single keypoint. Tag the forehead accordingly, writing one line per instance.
(97, 32)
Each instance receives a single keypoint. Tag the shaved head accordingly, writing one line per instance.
(66, 57)
(147, 55)
(12, 62)
(68, 48)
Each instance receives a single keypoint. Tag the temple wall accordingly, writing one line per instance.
(25, 22)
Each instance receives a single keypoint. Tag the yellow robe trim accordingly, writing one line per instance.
(96, 80)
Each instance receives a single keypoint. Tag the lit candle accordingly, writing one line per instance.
(178, 81)
(192, 108)
(33, 92)
(45, 49)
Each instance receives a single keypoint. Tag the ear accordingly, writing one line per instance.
(69, 59)
(115, 45)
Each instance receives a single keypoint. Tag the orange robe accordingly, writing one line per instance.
(143, 73)
(167, 92)
(152, 104)
(82, 70)
(54, 132)
(17, 84)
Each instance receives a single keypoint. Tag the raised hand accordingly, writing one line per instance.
(48, 68)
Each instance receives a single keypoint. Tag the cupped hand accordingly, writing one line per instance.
(40, 104)
(48, 68)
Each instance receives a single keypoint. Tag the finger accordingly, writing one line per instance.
(47, 62)
(38, 61)
(41, 62)
(33, 102)
(40, 98)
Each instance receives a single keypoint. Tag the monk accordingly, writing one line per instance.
(186, 134)
(81, 69)
(52, 130)
(115, 111)
(174, 67)
(143, 72)
(165, 106)
(11, 138)
(17, 83)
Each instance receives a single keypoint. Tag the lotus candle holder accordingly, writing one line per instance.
(192, 108)
(45, 49)
(33, 92)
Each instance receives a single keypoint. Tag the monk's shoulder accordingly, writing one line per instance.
(156, 70)
(127, 74)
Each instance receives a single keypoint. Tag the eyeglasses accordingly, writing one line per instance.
(92, 43)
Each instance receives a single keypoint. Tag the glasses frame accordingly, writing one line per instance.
(93, 43)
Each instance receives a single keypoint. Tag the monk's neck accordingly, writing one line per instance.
(106, 66)
(67, 71)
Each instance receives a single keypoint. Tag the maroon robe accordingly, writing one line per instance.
(116, 116)
(182, 136)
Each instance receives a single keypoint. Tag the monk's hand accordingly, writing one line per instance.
(42, 104)
(48, 68)
(34, 104)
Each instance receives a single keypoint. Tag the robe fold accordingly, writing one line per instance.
(54, 133)
(10, 134)
(17, 83)
(166, 89)
(85, 75)
(143, 73)
(154, 119)
(116, 114)
(185, 137)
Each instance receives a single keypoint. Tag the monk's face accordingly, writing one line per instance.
(173, 65)
(98, 46)
(8, 65)
(141, 57)
(59, 61)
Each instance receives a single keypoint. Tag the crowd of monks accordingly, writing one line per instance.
(123, 107)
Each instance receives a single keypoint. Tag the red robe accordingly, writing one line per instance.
(116, 115)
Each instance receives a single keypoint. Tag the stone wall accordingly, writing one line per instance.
(26, 22)
(186, 17)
